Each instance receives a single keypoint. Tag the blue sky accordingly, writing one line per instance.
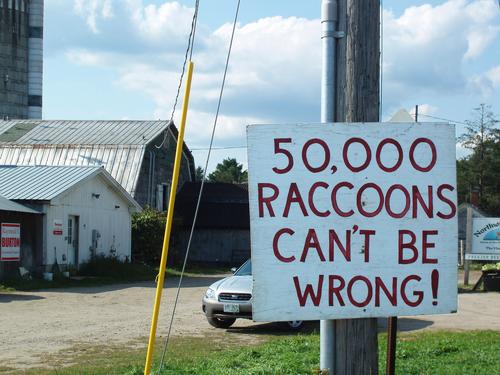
(121, 59)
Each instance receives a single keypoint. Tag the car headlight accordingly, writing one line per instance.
(210, 293)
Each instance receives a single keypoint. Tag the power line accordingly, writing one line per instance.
(442, 118)
(189, 51)
(217, 148)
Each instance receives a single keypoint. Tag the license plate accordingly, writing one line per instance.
(231, 308)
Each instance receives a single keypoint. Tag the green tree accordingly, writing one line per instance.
(479, 133)
(481, 169)
(199, 173)
(229, 171)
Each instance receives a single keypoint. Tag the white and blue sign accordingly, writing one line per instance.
(486, 235)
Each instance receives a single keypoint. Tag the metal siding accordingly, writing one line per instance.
(119, 146)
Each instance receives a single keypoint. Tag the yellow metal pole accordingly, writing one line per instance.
(168, 225)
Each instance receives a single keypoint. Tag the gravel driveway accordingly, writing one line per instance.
(34, 324)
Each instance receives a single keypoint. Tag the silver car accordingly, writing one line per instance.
(231, 298)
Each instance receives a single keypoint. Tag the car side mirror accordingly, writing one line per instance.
(233, 270)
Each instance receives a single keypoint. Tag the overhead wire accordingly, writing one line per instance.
(218, 148)
(442, 118)
(214, 127)
(189, 52)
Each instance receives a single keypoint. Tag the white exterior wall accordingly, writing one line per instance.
(114, 224)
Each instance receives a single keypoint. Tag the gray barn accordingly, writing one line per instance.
(222, 232)
(138, 154)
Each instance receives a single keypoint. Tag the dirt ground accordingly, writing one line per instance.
(37, 324)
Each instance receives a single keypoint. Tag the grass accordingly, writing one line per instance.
(476, 352)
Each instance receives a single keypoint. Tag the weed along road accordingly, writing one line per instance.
(41, 327)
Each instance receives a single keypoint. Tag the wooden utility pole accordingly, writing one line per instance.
(358, 89)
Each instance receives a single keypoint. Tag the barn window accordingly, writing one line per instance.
(162, 194)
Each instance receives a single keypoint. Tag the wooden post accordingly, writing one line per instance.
(392, 329)
(357, 87)
(468, 244)
(462, 254)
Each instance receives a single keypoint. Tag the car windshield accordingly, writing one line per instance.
(245, 269)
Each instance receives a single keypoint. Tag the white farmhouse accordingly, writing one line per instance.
(85, 212)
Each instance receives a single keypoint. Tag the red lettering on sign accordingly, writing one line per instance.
(345, 154)
(326, 150)
(334, 199)
(312, 206)
(369, 290)
(335, 289)
(366, 246)
(345, 249)
(276, 238)
(407, 245)
(388, 201)
(432, 146)
(380, 285)
(279, 150)
(417, 293)
(428, 245)
(312, 242)
(450, 203)
(379, 151)
(417, 198)
(294, 197)
(308, 292)
(266, 200)
(360, 202)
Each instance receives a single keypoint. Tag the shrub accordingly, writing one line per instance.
(148, 228)
(109, 266)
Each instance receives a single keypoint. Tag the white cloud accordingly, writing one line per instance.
(274, 74)
(427, 47)
(157, 22)
(486, 83)
(92, 10)
(483, 30)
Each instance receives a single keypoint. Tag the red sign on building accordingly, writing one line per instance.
(10, 242)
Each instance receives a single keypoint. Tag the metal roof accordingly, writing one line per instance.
(118, 146)
(123, 162)
(40, 182)
(58, 132)
(8, 205)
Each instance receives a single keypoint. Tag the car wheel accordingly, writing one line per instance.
(295, 324)
(220, 323)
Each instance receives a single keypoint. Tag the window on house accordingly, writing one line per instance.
(70, 231)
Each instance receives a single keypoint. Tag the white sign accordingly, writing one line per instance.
(486, 235)
(10, 242)
(352, 220)
(58, 228)
(470, 256)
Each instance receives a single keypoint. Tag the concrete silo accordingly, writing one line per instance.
(21, 58)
